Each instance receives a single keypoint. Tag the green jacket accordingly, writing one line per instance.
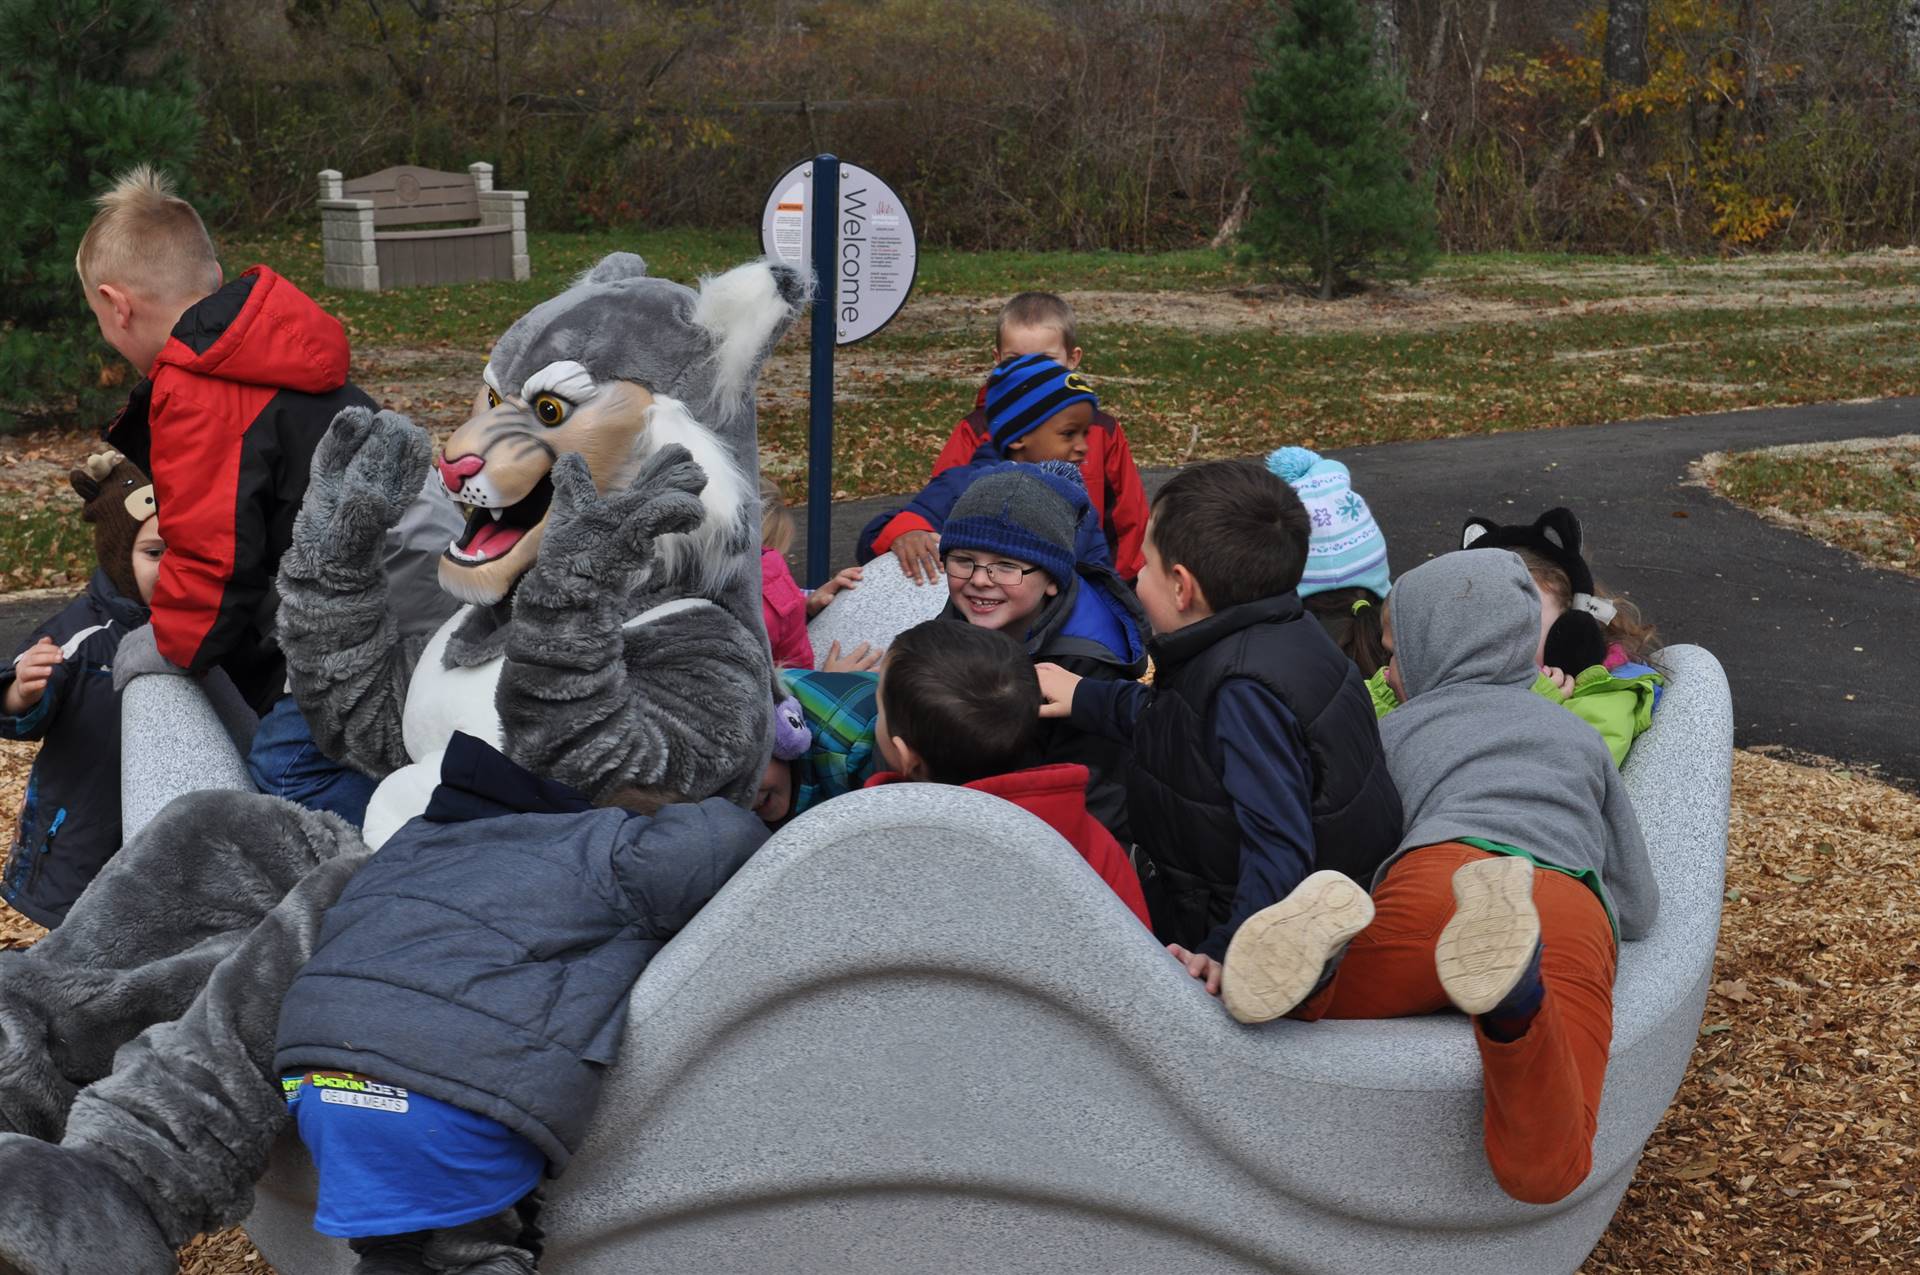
(1620, 708)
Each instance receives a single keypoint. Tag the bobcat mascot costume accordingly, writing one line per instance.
(611, 636)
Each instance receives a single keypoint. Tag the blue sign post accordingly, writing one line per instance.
(825, 207)
(850, 229)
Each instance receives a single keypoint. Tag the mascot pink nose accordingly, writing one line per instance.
(454, 473)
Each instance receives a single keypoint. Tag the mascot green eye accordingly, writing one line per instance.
(550, 409)
(493, 399)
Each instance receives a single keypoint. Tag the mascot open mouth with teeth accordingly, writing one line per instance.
(610, 637)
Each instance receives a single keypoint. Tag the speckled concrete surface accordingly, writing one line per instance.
(171, 742)
(885, 604)
(918, 1034)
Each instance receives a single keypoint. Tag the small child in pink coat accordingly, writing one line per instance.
(787, 607)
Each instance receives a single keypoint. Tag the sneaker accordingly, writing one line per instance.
(1488, 946)
(1282, 953)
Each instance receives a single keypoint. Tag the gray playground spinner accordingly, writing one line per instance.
(885, 604)
(917, 1034)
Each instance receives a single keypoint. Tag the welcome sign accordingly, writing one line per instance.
(875, 258)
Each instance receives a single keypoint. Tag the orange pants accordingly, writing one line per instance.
(1542, 1090)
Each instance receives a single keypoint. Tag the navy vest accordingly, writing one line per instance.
(1179, 811)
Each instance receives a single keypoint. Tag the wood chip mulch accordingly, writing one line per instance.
(1792, 1144)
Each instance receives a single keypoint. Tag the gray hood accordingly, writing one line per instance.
(1466, 619)
(1475, 753)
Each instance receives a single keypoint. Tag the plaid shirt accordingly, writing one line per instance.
(840, 709)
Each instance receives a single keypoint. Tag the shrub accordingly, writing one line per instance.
(88, 91)
(1326, 155)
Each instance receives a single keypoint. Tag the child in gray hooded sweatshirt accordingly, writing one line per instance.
(1521, 868)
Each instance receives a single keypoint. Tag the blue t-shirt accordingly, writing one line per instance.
(393, 1161)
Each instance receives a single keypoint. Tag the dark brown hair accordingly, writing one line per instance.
(1036, 310)
(1351, 618)
(1238, 527)
(965, 698)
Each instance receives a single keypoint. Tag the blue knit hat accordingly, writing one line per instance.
(1024, 393)
(1028, 512)
(1347, 550)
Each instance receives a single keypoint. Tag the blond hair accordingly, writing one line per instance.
(777, 529)
(147, 238)
(1638, 638)
(1037, 310)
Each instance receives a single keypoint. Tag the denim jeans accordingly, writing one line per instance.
(285, 762)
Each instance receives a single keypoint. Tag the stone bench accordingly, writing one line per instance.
(917, 1033)
(363, 252)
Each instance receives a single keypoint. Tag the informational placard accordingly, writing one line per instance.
(875, 259)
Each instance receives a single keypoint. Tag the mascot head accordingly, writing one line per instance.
(613, 368)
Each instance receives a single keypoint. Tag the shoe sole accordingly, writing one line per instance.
(1486, 948)
(1277, 956)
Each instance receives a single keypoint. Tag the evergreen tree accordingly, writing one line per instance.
(1326, 154)
(88, 88)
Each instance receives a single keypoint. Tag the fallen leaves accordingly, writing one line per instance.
(1790, 1147)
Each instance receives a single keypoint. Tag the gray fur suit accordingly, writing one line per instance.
(625, 647)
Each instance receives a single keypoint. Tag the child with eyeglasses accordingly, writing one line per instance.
(1011, 562)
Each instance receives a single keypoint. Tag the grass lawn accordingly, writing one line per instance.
(1862, 496)
(1197, 355)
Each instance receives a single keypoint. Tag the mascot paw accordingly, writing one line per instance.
(607, 539)
(367, 469)
(62, 1213)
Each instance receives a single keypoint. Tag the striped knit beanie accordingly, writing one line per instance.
(1026, 512)
(1347, 550)
(1024, 393)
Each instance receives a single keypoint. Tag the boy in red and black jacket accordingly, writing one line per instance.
(961, 705)
(241, 381)
(1042, 323)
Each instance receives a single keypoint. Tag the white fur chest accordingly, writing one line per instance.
(443, 700)
(440, 701)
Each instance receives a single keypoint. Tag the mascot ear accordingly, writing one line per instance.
(744, 311)
(1475, 528)
(613, 267)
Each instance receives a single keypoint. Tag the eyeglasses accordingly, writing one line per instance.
(963, 566)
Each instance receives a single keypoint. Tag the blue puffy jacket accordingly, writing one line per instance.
(929, 510)
(70, 821)
(485, 955)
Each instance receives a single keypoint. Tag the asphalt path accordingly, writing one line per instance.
(1820, 649)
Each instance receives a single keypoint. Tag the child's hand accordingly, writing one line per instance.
(1056, 690)
(919, 554)
(1562, 682)
(1201, 967)
(861, 659)
(817, 600)
(32, 670)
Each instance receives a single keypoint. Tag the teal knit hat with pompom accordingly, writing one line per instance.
(1347, 550)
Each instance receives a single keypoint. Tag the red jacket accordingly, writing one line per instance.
(1057, 796)
(1113, 481)
(226, 425)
